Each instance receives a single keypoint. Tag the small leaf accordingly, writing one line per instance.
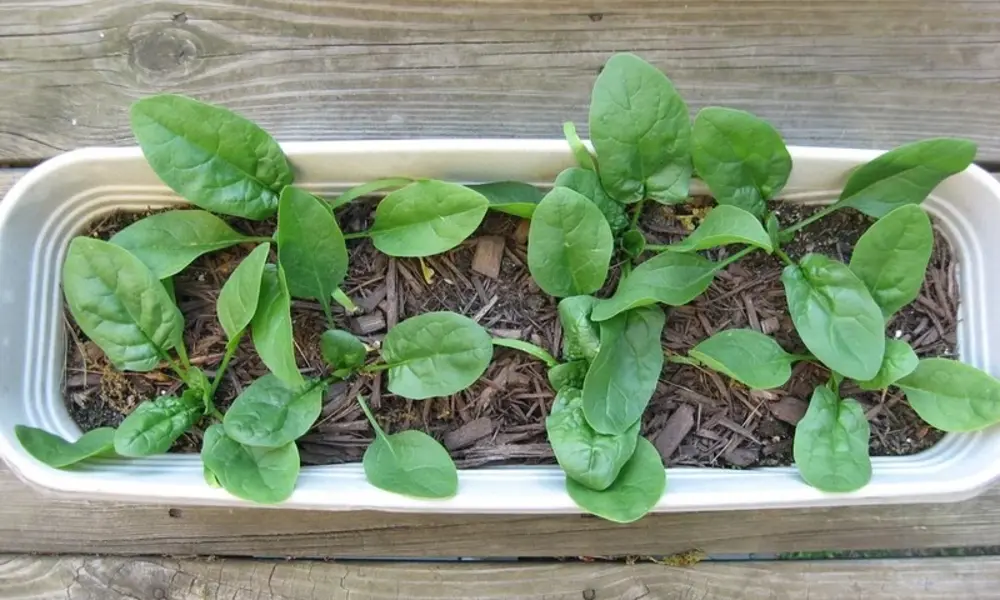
(367, 188)
(905, 175)
(831, 443)
(512, 197)
(952, 396)
(588, 185)
(725, 225)
(568, 374)
(240, 295)
(581, 336)
(341, 350)
(435, 354)
(773, 230)
(154, 426)
(835, 316)
(311, 248)
(580, 152)
(411, 463)
(750, 357)
(891, 257)
(670, 278)
(263, 475)
(633, 243)
(427, 217)
(740, 157)
(119, 304)
(168, 242)
(899, 361)
(215, 158)
(635, 492)
(272, 327)
(270, 413)
(641, 130)
(588, 457)
(57, 452)
(569, 244)
(622, 378)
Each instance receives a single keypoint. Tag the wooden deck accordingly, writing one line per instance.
(859, 73)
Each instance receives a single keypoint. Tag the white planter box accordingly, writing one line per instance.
(54, 201)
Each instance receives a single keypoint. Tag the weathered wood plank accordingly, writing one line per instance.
(79, 578)
(846, 73)
(7, 179)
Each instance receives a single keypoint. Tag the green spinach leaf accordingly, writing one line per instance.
(427, 217)
(263, 475)
(512, 197)
(748, 356)
(641, 130)
(168, 242)
(590, 458)
(952, 396)
(831, 443)
(341, 350)
(568, 374)
(119, 304)
(240, 295)
(899, 361)
(723, 225)
(905, 175)
(154, 426)
(588, 185)
(891, 257)
(835, 316)
(581, 336)
(633, 243)
(635, 492)
(740, 157)
(271, 327)
(57, 452)
(435, 354)
(213, 157)
(569, 244)
(623, 375)
(580, 152)
(270, 413)
(311, 248)
(672, 278)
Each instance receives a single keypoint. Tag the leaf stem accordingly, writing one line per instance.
(657, 247)
(371, 418)
(638, 212)
(735, 257)
(680, 359)
(376, 367)
(812, 219)
(356, 235)
(259, 238)
(231, 347)
(528, 348)
(784, 257)
(345, 301)
(325, 304)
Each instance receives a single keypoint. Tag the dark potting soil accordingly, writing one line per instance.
(696, 417)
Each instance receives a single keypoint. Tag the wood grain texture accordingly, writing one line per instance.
(847, 73)
(81, 578)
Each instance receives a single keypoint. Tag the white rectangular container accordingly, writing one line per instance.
(57, 199)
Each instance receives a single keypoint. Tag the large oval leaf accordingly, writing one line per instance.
(591, 458)
(952, 396)
(240, 296)
(641, 130)
(835, 316)
(270, 413)
(411, 463)
(168, 242)
(748, 356)
(581, 336)
(623, 376)
(427, 217)
(119, 304)
(154, 426)
(635, 492)
(588, 185)
(740, 157)
(57, 452)
(213, 157)
(723, 225)
(899, 361)
(263, 475)
(831, 443)
(311, 248)
(435, 354)
(271, 326)
(512, 197)
(671, 278)
(569, 244)
(905, 175)
(891, 257)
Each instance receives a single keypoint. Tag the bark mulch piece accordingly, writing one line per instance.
(696, 417)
